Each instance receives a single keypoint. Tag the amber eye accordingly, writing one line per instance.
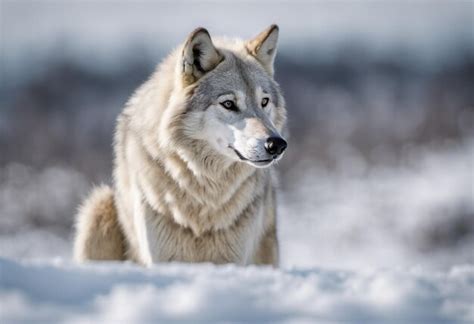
(265, 102)
(229, 104)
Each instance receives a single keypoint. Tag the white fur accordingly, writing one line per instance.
(180, 191)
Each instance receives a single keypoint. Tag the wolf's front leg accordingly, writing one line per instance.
(268, 251)
(143, 239)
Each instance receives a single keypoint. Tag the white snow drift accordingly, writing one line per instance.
(108, 293)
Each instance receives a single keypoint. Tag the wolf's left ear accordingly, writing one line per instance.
(199, 55)
(263, 47)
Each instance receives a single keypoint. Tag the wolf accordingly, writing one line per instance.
(195, 149)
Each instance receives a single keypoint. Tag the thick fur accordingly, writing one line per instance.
(181, 191)
(99, 236)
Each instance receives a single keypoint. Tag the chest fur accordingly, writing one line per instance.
(198, 202)
(170, 241)
(199, 219)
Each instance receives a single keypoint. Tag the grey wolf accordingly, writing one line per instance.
(195, 149)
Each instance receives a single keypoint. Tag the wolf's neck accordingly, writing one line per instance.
(214, 180)
(204, 201)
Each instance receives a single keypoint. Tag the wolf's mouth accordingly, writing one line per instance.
(243, 158)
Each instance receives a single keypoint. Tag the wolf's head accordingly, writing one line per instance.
(234, 104)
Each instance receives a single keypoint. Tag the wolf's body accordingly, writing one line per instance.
(189, 179)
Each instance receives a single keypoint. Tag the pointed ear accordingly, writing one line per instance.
(199, 55)
(263, 47)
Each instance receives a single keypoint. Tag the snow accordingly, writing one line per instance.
(359, 243)
(352, 250)
(58, 291)
(381, 216)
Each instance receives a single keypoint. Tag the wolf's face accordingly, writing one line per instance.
(236, 106)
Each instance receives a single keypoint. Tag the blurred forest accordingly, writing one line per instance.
(380, 149)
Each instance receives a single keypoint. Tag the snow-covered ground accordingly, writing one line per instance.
(109, 293)
(352, 247)
(420, 212)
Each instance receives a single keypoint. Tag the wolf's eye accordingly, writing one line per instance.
(265, 102)
(229, 104)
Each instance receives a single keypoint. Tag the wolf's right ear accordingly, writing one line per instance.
(199, 56)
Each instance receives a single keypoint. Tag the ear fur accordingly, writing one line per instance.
(264, 47)
(199, 55)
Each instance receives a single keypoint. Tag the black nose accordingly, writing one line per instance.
(275, 145)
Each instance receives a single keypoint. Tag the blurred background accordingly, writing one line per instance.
(380, 94)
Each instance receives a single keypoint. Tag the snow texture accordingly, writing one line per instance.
(56, 291)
